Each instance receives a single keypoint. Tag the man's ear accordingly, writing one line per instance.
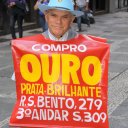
(45, 14)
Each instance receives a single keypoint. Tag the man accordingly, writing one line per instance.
(17, 10)
(82, 5)
(42, 20)
(4, 20)
(53, 69)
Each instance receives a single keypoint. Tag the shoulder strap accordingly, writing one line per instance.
(100, 39)
(38, 37)
(94, 38)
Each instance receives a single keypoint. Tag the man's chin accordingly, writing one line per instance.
(58, 34)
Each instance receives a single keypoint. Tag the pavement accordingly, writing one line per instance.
(114, 27)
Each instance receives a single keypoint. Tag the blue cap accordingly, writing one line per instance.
(67, 5)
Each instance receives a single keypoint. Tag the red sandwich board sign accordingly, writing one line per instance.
(61, 84)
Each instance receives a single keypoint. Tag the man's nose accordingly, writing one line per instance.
(59, 20)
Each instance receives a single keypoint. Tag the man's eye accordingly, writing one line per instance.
(66, 17)
(53, 15)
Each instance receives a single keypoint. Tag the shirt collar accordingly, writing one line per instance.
(63, 38)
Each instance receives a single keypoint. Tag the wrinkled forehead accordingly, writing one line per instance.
(59, 12)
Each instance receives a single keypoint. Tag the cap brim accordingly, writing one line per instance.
(43, 8)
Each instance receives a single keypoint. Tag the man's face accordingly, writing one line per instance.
(59, 21)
